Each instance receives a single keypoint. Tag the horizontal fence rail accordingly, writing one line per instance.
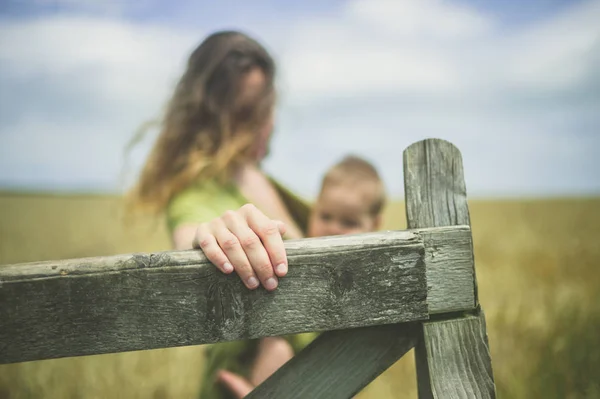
(145, 301)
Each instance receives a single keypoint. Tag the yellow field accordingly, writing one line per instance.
(538, 267)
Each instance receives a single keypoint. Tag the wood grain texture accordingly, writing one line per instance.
(459, 358)
(449, 260)
(339, 364)
(452, 358)
(434, 185)
(144, 301)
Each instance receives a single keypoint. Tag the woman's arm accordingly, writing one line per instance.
(183, 236)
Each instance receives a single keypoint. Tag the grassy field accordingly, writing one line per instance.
(538, 267)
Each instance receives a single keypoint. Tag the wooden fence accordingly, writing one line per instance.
(375, 296)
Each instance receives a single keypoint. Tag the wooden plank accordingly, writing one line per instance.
(449, 260)
(447, 342)
(434, 185)
(452, 357)
(340, 363)
(135, 302)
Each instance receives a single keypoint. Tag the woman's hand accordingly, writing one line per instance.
(248, 242)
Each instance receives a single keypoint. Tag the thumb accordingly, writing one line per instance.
(236, 384)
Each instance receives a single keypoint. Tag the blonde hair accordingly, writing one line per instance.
(211, 123)
(356, 170)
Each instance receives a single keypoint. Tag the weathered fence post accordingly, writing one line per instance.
(452, 356)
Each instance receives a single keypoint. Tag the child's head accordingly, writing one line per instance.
(351, 200)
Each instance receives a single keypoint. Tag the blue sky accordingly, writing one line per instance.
(515, 85)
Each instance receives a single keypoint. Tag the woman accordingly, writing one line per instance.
(204, 171)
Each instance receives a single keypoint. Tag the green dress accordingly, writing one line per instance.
(202, 202)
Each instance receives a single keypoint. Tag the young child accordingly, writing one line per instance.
(350, 201)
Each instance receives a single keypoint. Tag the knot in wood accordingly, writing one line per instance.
(151, 260)
(343, 282)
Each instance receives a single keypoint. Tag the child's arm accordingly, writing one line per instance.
(273, 352)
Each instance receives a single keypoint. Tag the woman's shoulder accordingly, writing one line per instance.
(209, 190)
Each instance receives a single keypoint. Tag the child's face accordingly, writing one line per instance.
(341, 210)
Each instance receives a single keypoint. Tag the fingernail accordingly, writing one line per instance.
(271, 283)
(252, 282)
(227, 267)
(281, 269)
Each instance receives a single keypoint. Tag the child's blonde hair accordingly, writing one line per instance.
(354, 170)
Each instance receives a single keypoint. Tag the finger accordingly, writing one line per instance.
(237, 385)
(253, 248)
(281, 226)
(206, 241)
(230, 244)
(270, 234)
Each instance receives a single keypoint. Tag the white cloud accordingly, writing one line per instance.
(558, 54)
(381, 46)
(436, 19)
(437, 48)
(75, 91)
(116, 60)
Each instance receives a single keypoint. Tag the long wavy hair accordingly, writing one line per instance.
(211, 124)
